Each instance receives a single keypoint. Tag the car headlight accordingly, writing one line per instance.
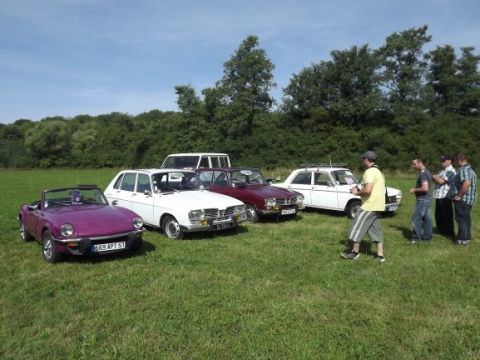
(66, 230)
(137, 223)
(239, 209)
(196, 214)
(300, 199)
(270, 202)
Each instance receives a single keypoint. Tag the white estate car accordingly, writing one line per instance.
(196, 160)
(170, 199)
(328, 187)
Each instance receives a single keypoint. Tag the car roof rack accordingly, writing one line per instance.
(323, 165)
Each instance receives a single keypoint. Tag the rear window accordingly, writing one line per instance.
(128, 182)
(304, 178)
(181, 162)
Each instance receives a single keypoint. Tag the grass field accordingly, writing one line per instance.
(271, 291)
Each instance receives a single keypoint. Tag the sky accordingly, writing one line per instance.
(71, 57)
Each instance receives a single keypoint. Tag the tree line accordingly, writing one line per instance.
(398, 99)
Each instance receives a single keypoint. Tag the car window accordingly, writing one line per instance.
(344, 177)
(204, 162)
(128, 182)
(322, 178)
(180, 181)
(117, 183)
(205, 177)
(221, 178)
(215, 162)
(223, 161)
(143, 183)
(304, 178)
(181, 162)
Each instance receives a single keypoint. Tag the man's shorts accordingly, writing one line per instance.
(366, 222)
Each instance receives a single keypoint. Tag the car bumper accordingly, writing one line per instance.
(84, 245)
(282, 210)
(391, 207)
(216, 224)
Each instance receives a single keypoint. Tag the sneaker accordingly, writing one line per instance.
(413, 241)
(459, 242)
(352, 255)
(380, 258)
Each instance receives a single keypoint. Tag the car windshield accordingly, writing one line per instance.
(74, 197)
(175, 181)
(247, 177)
(181, 162)
(344, 177)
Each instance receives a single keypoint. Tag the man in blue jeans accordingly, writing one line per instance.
(423, 191)
(465, 186)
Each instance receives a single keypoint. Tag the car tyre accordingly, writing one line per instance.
(353, 209)
(251, 212)
(24, 234)
(49, 253)
(171, 228)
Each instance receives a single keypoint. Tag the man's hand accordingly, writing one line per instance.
(457, 198)
(354, 190)
(412, 191)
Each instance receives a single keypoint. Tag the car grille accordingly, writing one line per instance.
(286, 201)
(219, 214)
(392, 200)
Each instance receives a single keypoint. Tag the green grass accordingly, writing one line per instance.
(272, 291)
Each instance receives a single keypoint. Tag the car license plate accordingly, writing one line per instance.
(223, 226)
(289, 211)
(109, 246)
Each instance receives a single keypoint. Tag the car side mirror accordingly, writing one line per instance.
(147, 193)
(114, 202)
(269, 181)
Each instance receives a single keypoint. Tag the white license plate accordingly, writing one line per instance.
(289, 211)
(109, 246)
(223, 226)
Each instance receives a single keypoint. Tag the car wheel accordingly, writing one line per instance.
(353, 209)
(251, 213)
(49, 252)
(24, 234)
(172, 228)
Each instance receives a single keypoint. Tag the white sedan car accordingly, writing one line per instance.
(169, 199)
(328, 187)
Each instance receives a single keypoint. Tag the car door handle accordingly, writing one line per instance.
(115, 202)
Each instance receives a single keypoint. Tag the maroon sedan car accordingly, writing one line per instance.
(78, 220)
(249, 186)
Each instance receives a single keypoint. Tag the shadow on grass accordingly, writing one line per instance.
(338, 214)
(406, 232)
(205, 235)
(93, 259)
(272, 219)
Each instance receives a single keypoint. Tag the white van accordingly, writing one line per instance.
(196, 160)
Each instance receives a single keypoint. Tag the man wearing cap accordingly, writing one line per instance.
(443, 194)
(367, 220)
(423, 191)
(465, 195)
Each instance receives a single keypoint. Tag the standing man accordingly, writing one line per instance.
(465, 194)
(367, 219)
(443, 194)
(423, 190)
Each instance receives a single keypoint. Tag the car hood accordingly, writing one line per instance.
(393, 191)
(265, 191)
(92, 220)
(200, 199)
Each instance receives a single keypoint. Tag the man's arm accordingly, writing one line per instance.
(422, 189)
(439, 180)
(366, 190)
(463, 189)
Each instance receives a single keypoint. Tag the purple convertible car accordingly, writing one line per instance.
(78, 221)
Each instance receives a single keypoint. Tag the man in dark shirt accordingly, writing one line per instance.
(423, 191)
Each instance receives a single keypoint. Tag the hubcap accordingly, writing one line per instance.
(48, 248)
(173, 229)
(22, 230)
(250, 213)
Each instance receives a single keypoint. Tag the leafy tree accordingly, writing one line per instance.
(403, 68)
